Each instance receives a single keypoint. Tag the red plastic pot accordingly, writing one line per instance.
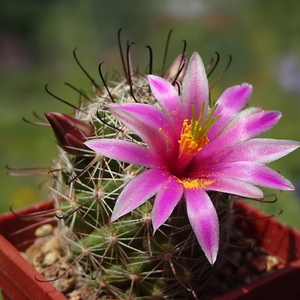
(278, 240)
(17, 277)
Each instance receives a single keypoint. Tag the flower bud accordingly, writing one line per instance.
(179, 62)
(70, 132)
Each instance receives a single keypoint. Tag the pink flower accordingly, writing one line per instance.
(194, 148)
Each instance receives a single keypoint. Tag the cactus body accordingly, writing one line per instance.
(123, 259)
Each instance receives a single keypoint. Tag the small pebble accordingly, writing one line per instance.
(51, 258)
(67, 283)
(52, 244)
(272, 262)
(34, 255)
(44, 230)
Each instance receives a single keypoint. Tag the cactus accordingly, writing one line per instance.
(122, 259)
(125, 259)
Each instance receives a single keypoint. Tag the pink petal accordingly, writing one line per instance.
(177, 64)
(126, 151)
(252, 122)
(138, 191)
(167, 97)
(235, 187)
(204, 221)
(165, 201)
(195, 89)
(247, 124)
(229, 104)
(151, 114)
(259, 150)
(144, 127)
(251, 172)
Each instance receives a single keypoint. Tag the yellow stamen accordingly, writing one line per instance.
(193, 136)
(195, 183)
(188, 144)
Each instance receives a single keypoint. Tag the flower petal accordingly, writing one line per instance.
(178, 63)
(247, 124)
(165, 201)
(143, 127)
(229, 104)
(126, 151)
(251, 172)
(251, 122)
(235, 187)
(204, 221)
(152, 115)
(259, 150)
(167, 97)
(138, 191)
(195, 89)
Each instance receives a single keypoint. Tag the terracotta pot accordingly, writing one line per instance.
(279, 240)
(17, 277)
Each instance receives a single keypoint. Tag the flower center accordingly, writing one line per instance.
(189, 145)
(193, 136)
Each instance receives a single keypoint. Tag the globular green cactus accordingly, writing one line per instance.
(123, 259)
(145, 207)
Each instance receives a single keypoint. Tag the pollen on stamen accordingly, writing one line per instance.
(189, 183)
(188, 144)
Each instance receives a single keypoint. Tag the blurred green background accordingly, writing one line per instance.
(36, 43)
